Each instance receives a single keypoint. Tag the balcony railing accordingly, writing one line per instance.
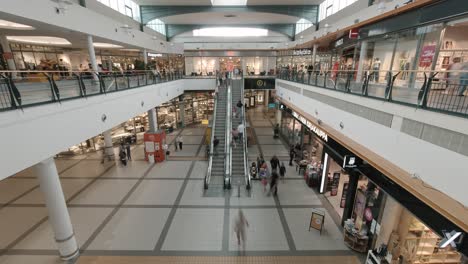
(444, 91)
(20, 89)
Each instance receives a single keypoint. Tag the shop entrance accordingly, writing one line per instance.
(230, 63)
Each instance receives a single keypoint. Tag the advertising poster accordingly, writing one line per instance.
(427, 54)
(335, 183)
(343, 195)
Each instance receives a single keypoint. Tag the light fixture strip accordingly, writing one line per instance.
(324, 173)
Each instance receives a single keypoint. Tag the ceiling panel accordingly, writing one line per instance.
(174, 2)
(215, 18)
(208, 2)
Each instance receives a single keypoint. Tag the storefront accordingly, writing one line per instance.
(375, 212)
(190, 108)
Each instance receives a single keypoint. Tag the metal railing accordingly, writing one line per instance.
(228, 140)
(442, 91)
(20, 89)
(246, 161)
(210, 160)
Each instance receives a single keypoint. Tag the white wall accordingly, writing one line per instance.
(443, 169)
(40, 132)
(199, 84)
(86, 21)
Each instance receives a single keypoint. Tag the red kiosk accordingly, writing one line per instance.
(154, 142)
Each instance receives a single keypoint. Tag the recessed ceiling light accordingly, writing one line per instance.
(137, 50)
(12, 25)
(106, 45)
(229, 2)
(39, 40)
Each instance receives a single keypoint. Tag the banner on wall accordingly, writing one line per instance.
(259, 83)
(427, 55)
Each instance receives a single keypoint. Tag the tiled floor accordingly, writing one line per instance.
(160, 210)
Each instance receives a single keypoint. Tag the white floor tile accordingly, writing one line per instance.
(258, 197)
(155, 192)
(199, 170)
(11, 188)
(14, 221)
(193, 195)
(195, 229)
(170, 169)
(298, 222)
(87, 168)
(134, 169)
(132, 229)
(36, 259)
(84, 221)
(69, 187)
(187, 150)
(296, 192)
(265, 231)
(108, 192)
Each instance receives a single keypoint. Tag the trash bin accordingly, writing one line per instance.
(151, 158)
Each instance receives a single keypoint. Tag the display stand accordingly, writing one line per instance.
(355, 242)
(154, 143)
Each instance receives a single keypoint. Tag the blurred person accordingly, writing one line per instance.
(240, 225)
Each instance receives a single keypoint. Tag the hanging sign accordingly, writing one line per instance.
(302, 52)
(319, 132)
(353, 33)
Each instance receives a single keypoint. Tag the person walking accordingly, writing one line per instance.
(276, 131)
(463, 79)
(127, 149)
(176, 144)
(239, 108)
(215, 145)
(240, 129)
(292, 154)
(180, 139)
(235, 137)
(282, 171)
(123, 157)
(274, 162)
(274, 183)
(240, 225)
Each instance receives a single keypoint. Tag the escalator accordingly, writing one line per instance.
(216, 179)
(239, 158)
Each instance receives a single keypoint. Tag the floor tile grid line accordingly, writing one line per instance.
(282, 216)
(170, 217)
(265, 253)
(226, 226)
(33, 188)
(171, 206)
(43, 220)
(116, 209)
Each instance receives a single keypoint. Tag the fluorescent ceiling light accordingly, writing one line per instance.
(229, 2)
(39, 40)
(230, 32)
(106, 45)
(12, 25)
(130, 50)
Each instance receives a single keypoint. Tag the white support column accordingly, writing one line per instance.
(59, 218)
(267, 98)
(6, 49)
(145, 57)
(279, 115)
(108, 144)
(314, 53)
(362, 59)
(182, 113)
(153, 121)
(92, 55)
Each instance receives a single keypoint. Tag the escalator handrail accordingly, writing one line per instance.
(246, 170)
(210, 160)
(227, 141)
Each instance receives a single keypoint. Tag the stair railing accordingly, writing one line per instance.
(210, 159)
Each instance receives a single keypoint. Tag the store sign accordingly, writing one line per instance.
(350, 161)
(302, 52)
(353, 33)
(319, 132)
(154, 54)
(451, 238)
(259, 83)
(339, 42)
(427, 55)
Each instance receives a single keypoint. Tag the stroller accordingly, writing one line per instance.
(253, 171)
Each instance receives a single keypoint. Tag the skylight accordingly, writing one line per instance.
(39, 40)
(229, 2)
(12, 25)
(230, 32)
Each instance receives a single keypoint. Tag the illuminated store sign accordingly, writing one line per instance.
(319, 132)
(154, 54)
(302, 52)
